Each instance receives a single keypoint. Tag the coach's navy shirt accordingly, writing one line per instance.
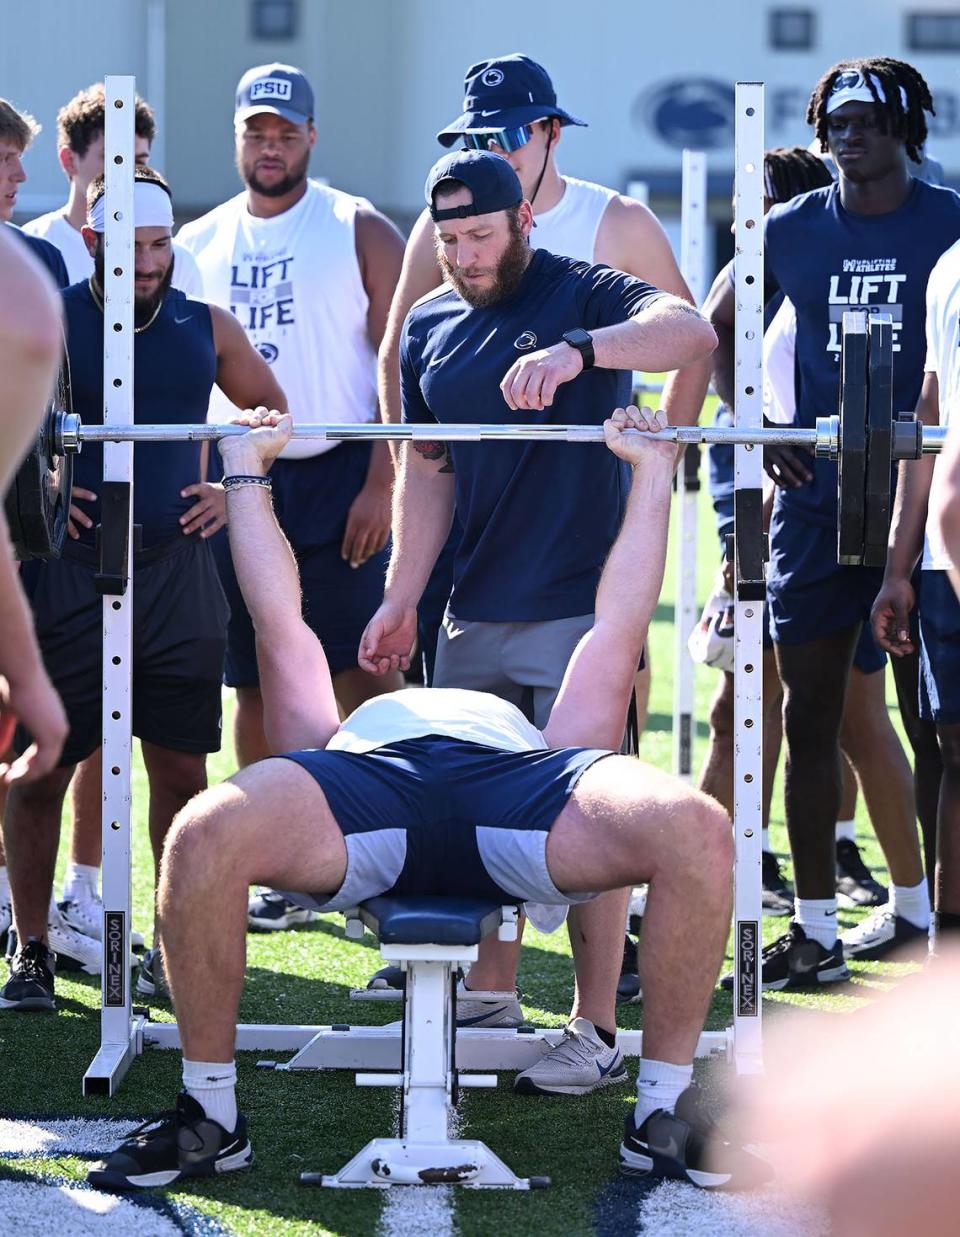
(174, 368)
(538, 518)
(827, 260)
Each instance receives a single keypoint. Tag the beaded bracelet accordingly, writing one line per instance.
(235, 482)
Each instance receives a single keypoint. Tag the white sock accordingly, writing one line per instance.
(818, 918)
(765, 839)
(4, 886)
(913, 903)
(213, 1084)
(847, 829)
(81, 878)
(659, 1083)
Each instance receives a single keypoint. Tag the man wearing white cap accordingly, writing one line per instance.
(181, 348)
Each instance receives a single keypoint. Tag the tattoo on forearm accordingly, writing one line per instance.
(435, 451)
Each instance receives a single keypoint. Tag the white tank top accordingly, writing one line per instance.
(570, 228)
(412, 712)
(294, 284)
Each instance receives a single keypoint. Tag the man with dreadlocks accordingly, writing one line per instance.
(867, 243)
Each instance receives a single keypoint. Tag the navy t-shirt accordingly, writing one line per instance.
(48, 254)
(174, 369)
(828, 260)
(538, 519)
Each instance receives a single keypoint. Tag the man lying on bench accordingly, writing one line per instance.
(446, 792)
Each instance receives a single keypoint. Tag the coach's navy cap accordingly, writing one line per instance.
(490, 178)
(279, 89)
(505, 93)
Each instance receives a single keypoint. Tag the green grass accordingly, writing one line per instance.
(318, 1121)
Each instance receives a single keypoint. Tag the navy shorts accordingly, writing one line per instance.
(442, 816)
(939, 649)
(179, 638)
(810, 595)
(312, 498)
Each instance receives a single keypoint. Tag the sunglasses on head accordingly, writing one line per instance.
(508, 140)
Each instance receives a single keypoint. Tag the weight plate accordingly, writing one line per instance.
(852, 468)
(879, 441)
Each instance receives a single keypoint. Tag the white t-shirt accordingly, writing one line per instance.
(411, 713)
(294, 283)
(943, 359)
(56, 228)
(779, 353)
(570, 228)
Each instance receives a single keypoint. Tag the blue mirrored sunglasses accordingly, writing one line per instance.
(507, 139)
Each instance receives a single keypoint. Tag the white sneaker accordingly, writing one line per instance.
(6, 919)
(85, 915)
(882, 934)
(579, 1064)
(487, 1009)
(268, 911)
(75, 950)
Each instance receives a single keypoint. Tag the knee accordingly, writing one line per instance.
(200, 846)
(704, 839)
(810, 720)
(181, 775)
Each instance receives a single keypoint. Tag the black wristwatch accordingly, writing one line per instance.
(583, 342)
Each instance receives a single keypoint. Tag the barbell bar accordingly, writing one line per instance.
(70, 434)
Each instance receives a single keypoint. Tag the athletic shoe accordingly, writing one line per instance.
(777, 894)
(85, 915)
(388, 977)
(174, 1145)
(30, 985)
(629, 991)
(885, 934)
(855, 883)
(686, 1145)
(271, 912)
(151, 978)
(580, 1063)
(487, 1009)
(6, 921)
(794, 961)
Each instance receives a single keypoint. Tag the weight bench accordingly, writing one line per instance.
(430, 937)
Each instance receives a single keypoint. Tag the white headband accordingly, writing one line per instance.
(152, 208)
(851, 87)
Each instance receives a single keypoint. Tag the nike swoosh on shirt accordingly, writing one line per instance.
(181, 321)
(439, 360)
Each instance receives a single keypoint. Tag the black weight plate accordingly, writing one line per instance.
(879, 441)
(38, 502)
(852, 468)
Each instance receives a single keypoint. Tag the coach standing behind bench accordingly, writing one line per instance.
(181, 348)
(538, 520)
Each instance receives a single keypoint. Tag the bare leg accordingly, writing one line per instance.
(268, 825)
(948, 861)
(175, 777)
(870, 741)
(641, 688)
(31, 833)
(352, 687)
(249, 741)
(772, 730)
(927, 762)
(596, 936)
(86, 797)
(848, 797)
(626, 823)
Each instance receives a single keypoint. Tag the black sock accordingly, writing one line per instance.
(608, 1037)
(946, 921)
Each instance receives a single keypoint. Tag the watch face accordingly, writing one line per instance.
(577, 337)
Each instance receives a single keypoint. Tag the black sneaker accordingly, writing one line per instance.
(174, 1145)
(855, 883)
(777, 894)
(272, 912)
(30, 985)
(794, 961)
(388, 977)
(629, 991)
(686, 1145)
(151, 977)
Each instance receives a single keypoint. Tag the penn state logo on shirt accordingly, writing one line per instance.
(492, 77)
(269, 352)
(526, 341)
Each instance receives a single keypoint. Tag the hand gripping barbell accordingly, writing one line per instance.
(864, 439)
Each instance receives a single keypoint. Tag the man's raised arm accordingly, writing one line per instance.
(591, 708)
(299, 707)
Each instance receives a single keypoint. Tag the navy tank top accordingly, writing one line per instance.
(174, 369)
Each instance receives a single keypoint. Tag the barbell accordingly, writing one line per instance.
(865, 439)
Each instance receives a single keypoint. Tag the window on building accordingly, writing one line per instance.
(792, 29)
(273, 19)
(934, 32)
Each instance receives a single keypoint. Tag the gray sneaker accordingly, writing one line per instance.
(487, 1009)
(151, 978)
(579, 1064)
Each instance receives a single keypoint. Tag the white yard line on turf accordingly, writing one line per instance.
(677, 1210)
(58, 1136)
(419, 1211)
(38, 1207)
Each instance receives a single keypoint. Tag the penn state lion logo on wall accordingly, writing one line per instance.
(696, 112)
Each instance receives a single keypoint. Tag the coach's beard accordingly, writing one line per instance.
(506, 275)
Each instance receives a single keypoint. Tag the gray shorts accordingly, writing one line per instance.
(522, 663)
